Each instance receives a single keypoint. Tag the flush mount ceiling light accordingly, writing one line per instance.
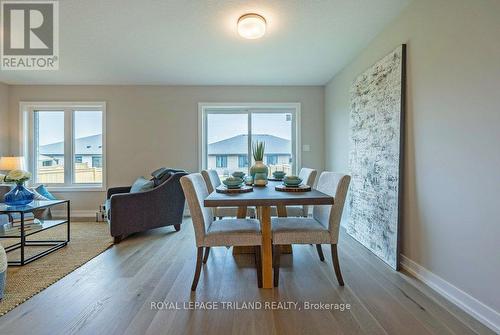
(251, 26)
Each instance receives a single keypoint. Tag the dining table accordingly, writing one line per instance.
(263, 198)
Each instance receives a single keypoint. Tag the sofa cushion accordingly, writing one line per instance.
(141, 184)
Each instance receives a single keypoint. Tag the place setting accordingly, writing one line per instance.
(234, 184)
(292, 184)
(277, 176)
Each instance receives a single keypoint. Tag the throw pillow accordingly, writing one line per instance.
(141, 185)
(38, 196)
(159, 173)
(42, 190)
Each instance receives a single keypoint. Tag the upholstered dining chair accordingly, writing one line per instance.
(322, 228)
(308, 177)
(212, 233)
(212, 180)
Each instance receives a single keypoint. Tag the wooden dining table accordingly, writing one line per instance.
(263, 198)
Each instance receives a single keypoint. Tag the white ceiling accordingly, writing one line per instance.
(194, 42)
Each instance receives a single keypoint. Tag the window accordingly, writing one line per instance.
(221, 161)
(64, 144)
(87, 146)
(242, 161)
(48, 138)
(230, 129)
(271, 159)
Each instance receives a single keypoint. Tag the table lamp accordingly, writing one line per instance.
(9, 163)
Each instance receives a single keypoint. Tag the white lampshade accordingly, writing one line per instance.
(11, 163)
(251, 26)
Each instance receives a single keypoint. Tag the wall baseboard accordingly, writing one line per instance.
(86, 214)
(90, 214)
(466, 302)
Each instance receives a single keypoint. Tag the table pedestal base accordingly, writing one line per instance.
(239, 250)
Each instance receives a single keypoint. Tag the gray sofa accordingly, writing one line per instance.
(129, 213)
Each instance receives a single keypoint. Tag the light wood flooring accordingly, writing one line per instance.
(112, 294)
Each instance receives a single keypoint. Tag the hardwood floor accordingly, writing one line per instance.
(113, 293)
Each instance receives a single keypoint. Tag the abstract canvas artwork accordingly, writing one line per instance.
(376, 129)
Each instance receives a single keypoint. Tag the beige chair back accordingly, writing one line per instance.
(308, 176)
(195, 191)
(211, 179)
(336, 185)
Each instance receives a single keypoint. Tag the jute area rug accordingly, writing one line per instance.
(88, 239)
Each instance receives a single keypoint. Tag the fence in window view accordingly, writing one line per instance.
(83, 174)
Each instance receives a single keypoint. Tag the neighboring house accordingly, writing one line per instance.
(88, 150)
(231, 154)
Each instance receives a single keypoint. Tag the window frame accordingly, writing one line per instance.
(27, 141)
(205, 108)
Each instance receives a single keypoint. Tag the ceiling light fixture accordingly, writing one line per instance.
(251, 26)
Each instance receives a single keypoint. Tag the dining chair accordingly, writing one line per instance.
(321, 228)
(309, 177)
(212, 181)
(213, 233)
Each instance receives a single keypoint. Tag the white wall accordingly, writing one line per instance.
(4, 119)
(153, 126)
(451, 220)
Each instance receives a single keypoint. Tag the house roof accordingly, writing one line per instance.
(238, 145)
(89, 145)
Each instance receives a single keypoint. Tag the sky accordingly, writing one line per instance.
(222, 126)
(51, 125)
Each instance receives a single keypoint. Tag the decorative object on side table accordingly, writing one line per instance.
(19, 195)
(259, 170)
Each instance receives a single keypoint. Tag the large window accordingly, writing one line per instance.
(64, 144)
(228, 131)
